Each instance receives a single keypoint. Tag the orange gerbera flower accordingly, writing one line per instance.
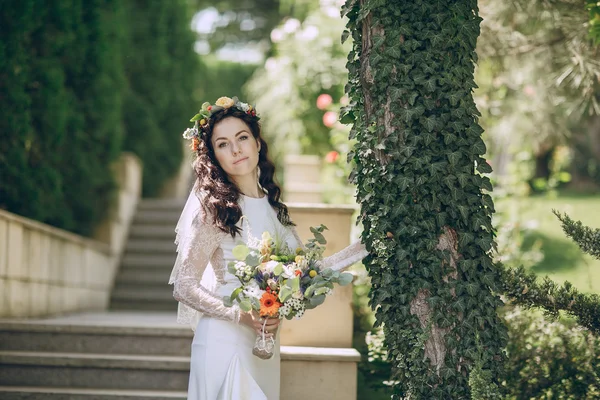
(269, 306)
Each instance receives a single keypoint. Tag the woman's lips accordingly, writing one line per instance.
(239, 161)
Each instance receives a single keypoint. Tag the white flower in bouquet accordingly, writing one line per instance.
(285, 310)
(253, 290)
(289, 271)
(270, 266)
(242, 270)
(272, 283)
(298, 295)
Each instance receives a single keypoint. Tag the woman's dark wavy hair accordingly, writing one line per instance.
(217, 193)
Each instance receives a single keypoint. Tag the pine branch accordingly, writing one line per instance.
(587, 239)
(521, 288)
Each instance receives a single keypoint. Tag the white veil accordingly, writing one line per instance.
(184, 234)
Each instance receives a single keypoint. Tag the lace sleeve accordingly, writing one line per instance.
(203, 241)
(346, 257)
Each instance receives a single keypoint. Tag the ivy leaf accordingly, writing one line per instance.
(429, 123)
(484, 168)
(453, 157)
(345, 35)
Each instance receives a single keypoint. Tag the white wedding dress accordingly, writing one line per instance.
(222, 364)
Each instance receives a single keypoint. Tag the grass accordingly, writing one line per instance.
(563, 260)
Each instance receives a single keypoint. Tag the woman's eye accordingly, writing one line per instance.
(222, 144)
(244, 137)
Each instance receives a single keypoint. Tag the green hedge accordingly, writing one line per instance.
(59, 110)
(162, 70)
(81, 81)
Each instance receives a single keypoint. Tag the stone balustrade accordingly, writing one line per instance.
(45, 270)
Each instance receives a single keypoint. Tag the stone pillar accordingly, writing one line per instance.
(302, 176)
(179, 185)
(330, 324)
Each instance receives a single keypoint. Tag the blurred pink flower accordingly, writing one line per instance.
(529, 90)
(329, 119)
(332, 156)
(324, 101)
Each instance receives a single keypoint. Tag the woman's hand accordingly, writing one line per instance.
(255, 322)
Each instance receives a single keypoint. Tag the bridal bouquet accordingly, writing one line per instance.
(277, 281)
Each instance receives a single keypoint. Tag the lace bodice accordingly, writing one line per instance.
(202, 260)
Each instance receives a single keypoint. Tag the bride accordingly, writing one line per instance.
(235, 199)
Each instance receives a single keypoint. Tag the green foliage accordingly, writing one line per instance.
(162, 70)
(587, 239)
(421, 180)
(523, 289)
(307, 60)
(550, 359)
(79, 81)
(60, 109)
(228, 77)
(539, 90)
(594, 8)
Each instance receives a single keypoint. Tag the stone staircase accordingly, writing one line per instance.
(136, 350)
(104, 356)
(142, 281)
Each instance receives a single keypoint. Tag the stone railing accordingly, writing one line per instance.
(46, 271)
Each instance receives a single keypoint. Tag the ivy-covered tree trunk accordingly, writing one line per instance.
(422, 188)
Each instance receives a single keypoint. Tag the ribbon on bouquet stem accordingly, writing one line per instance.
(263, 330)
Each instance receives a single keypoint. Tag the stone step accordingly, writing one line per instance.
(166, 232)
(142, 305)
(148, 217)
(156, 333)
(149, 261)
(150, 246)
(51, 393)
(101, 371)
(162, 292)
(144, 276)
(161, 204)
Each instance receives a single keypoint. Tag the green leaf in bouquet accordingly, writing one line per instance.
(231, 267)
(245, 305)
(252, 260)
(236, 293)
(294, 283)
(278, 270)
(321, 290)
(196, 117)
(309, 291)
(345, 278)
(275, 258)
(327, 273)
(255, 303)
(320, 238)
(227, 301)
(240, 252)
(285, 293)
(317, 300)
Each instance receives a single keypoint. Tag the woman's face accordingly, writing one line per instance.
(235, 148)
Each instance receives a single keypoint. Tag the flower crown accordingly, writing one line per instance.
(201, 119)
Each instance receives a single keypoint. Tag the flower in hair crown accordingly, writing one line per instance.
(203, 116)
